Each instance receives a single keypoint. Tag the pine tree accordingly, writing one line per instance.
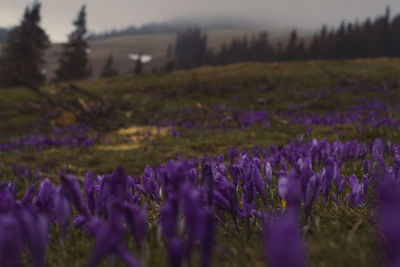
(73, 63)
(21, 59)
(190, 49)
(109, 70)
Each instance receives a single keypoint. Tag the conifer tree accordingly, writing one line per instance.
(108, 69)
(73, 63)
(21, 59)
(190, 49)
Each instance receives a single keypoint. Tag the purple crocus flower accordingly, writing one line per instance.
(175, 248)
(232, 153)
(327, 179)
(118, 185)
(44, 202)
(207, 181)
(73, 192)
(63, 210)
(109, 237)
(207, 234)
(136, 220)
(150, 184)
(11, 241)
(284, 246)
(357, 194)
(388, 219)
(311, 191)
(249, 199)
(289, 190)
(169, 219)
(191, 203)
(175, 175)
(342, 184)
(89, 190)
(268, 172)
(259, 182)
(28, 196)
(36, 234)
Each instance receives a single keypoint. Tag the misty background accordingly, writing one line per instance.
(274, 16)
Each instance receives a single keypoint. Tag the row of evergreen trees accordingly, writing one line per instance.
(22, 56)
(378, 38)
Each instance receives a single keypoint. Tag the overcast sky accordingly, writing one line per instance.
(57, 15)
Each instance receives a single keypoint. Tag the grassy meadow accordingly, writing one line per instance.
(340, 235)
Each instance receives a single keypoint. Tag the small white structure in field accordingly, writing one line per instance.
(143, 58)
(88, 50)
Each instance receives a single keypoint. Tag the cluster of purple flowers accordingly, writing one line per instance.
(69, 137)
(367, 113)
(389, 207)
(218, 117)
(194, 193)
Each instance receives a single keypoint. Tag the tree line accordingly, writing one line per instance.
(22, 56)
(372, 38)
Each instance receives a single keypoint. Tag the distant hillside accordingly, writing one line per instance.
(153, 44)
(173, 27)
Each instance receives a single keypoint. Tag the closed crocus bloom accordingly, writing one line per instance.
(11, 241)
(168, 219)
(63, 210)
(329, 176)
(118, 184)
(311, 191)
(356, 196)
(249, 198)
(342, 184)
(388, 220)
(175, 174)
(191, 203)
(283, 183)
(268, 172)
(207, 181)
(232, 154)
(259, 182)
(89, 191)
(6, 201)
(234, 172)
(36, 234)
(109, 239)
(207, 238)
(150, 184)
(136, 220)
(365, 183)
(176, 250)
(44, 202)
(192, 175)
(73, 192)
(284, 246)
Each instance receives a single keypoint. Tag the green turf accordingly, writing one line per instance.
(340, 236)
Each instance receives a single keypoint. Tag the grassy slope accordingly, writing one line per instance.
(340, 237)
